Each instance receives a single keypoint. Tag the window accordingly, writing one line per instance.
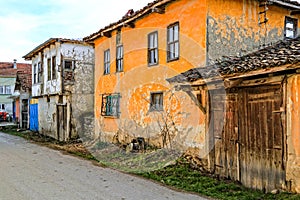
(49, 68)
(156, 101)
(68, 64)
(53, 67)
(1, 89)
(118, 37)
(173, 42)
(107, 61)
(290, 27)
(7, 89)
(153, 48)
(34, 74)
(3, 106)
(39, 76)
(119, 60)
(110, 105)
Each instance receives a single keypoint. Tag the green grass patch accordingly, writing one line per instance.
(183, 177)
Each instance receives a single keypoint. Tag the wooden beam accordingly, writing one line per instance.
(159, 10)
(107, 34)
(130, 24)
(295, 12)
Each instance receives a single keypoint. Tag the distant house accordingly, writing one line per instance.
(15, 88)
(135, 56)
(62, 88)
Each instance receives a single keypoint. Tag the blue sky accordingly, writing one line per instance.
(24, 24)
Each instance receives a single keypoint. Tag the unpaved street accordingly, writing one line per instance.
(29, 171)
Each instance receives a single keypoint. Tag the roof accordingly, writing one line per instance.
(131, 16)
(23, 72)
(281, 53)
(50, 41)
(287, 3)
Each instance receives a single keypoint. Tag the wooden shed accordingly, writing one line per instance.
(254, 126)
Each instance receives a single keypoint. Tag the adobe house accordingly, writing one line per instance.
(62, 88)
(135, 56)
(254, 130)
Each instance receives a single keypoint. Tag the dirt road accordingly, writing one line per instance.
(29, 171)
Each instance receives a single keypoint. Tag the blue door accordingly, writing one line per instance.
(34, 117)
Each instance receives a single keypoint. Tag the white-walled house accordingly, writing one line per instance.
(62, 88)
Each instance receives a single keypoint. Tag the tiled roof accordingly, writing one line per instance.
(50, 41)
(23, 72)
(282, 53)
(129, 17)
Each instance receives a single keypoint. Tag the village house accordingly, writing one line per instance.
(15, 91)
(136, 97)
(62, 88)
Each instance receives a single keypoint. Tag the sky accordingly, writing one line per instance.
(25, 24)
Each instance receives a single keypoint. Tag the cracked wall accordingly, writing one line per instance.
(233, 28)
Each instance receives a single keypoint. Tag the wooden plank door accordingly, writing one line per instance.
(34, 117)
(62, 122)
(261, 137)
(224, 135)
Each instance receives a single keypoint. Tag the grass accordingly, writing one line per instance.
(183, 177)
(179, 175)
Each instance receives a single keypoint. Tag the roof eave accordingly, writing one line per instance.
(285, 4)
(121, 23)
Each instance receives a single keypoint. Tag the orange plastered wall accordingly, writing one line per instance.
(191, 15)
(294, 112)
(245, 15)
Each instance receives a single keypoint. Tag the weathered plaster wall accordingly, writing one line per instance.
(233, 29)
(82, 98)
(47, 116)
(138, 80)
(52, 86)
(293, 133)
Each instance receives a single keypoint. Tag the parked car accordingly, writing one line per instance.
(5, 116)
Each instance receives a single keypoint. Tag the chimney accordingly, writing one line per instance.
(15, 63)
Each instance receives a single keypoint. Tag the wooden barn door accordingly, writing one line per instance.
(224, 134)
(261, 137)
(62, 122)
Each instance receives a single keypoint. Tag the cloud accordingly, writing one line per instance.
(28, 23)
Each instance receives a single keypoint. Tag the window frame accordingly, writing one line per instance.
(119, 58)
(53, 68)
(153, 48)
(106, 62)
(71, 66)
(34, 73)
(49, 69)
(153, 104)
(172, 41)
(294, 30)
(8, 89)
(110, 105)
(40, 72)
